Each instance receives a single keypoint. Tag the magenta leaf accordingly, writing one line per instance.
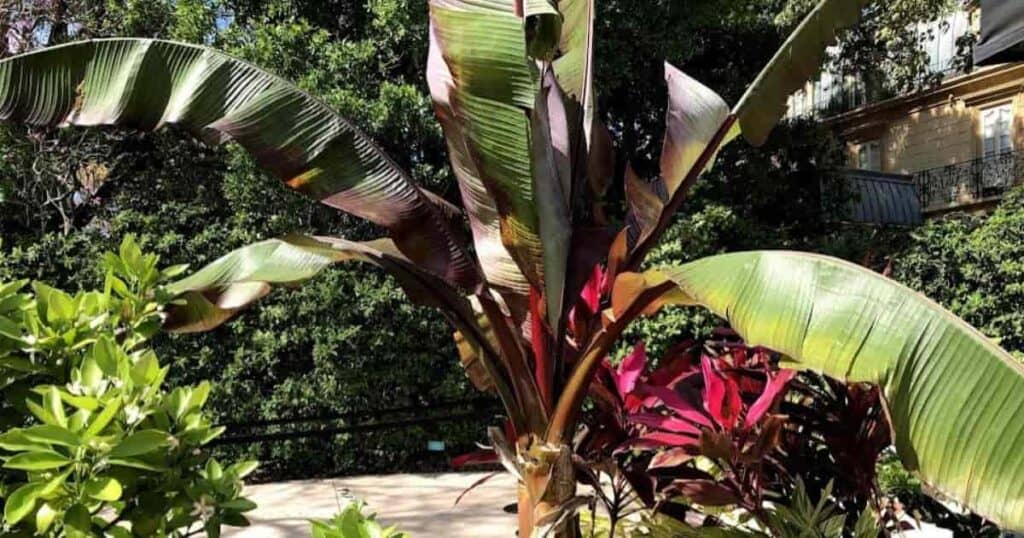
(480, 457)
(661, 422)
(673, 457)
(658, 439)
(721, 396)
(677, 404)
(630, 370)
(772, 390)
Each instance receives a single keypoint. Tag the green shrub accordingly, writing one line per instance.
(353, 522)
(94, 445)
(974, 266)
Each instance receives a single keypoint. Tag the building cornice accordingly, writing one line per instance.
(983, 85)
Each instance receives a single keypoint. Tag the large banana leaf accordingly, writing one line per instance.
(797, 61)
(696, 126)
(484, 46)
(496, 263)
(574, 68)
(146, 84)
(219, 291)
(695, 114)
(954, 398)
(503, 129)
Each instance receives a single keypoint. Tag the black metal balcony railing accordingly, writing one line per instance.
(971, 181)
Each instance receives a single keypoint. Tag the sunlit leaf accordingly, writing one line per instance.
(147, 83)
(793, 65)
(954, 398)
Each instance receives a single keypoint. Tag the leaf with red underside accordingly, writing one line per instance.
(677, 364)
(670, 458)
(475, 485)
(542, 364)
(662, 422)
(657, 439)
(588, 304)
(721, 396)
(630, 370)
(677, 404)
(479, 457)
(706, 492)
(775, 387)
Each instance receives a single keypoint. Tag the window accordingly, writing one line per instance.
(869, 156)
(939, 39)
(996, 126)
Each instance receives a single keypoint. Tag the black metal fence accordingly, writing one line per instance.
(971, 181)
(330, 425)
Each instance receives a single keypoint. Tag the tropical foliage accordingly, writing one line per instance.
(93, 443)
(549, 286)
(353, 522)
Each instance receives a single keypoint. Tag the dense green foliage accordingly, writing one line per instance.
(348, 342)
(974, 265)
(92, 442)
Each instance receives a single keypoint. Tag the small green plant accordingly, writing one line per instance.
(94, 445)
(353, 522)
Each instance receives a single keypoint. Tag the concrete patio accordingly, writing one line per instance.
(422, 505)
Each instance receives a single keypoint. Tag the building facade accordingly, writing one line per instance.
(956, 143)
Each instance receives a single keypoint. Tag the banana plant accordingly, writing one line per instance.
(547, 283)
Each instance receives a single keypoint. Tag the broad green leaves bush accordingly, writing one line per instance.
(353, 522)
(94, 445)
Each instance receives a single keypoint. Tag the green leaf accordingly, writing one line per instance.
(40, 413)
(198, 397)
(146, 369)
(44, 518)
(214, 471)
(106, 354)
(102, 420)
(53, 435)
(54, 484)
(20, 503)
(85, 403)
(243, 469)
(54, 406)
(148, 83)
(136, 464)
(78, 520)
(495, 260)
(16, 441)
(103, 489)
(239, 505)
(142, 442)
(37, 461)
(54, 305)
(91, 373)
(953, 397)
(793, 65)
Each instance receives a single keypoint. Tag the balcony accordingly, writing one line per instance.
(972, 183)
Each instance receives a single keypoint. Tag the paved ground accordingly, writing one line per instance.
(422, 505)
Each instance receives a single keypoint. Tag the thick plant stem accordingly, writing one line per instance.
(559, 477)
(525, 511)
